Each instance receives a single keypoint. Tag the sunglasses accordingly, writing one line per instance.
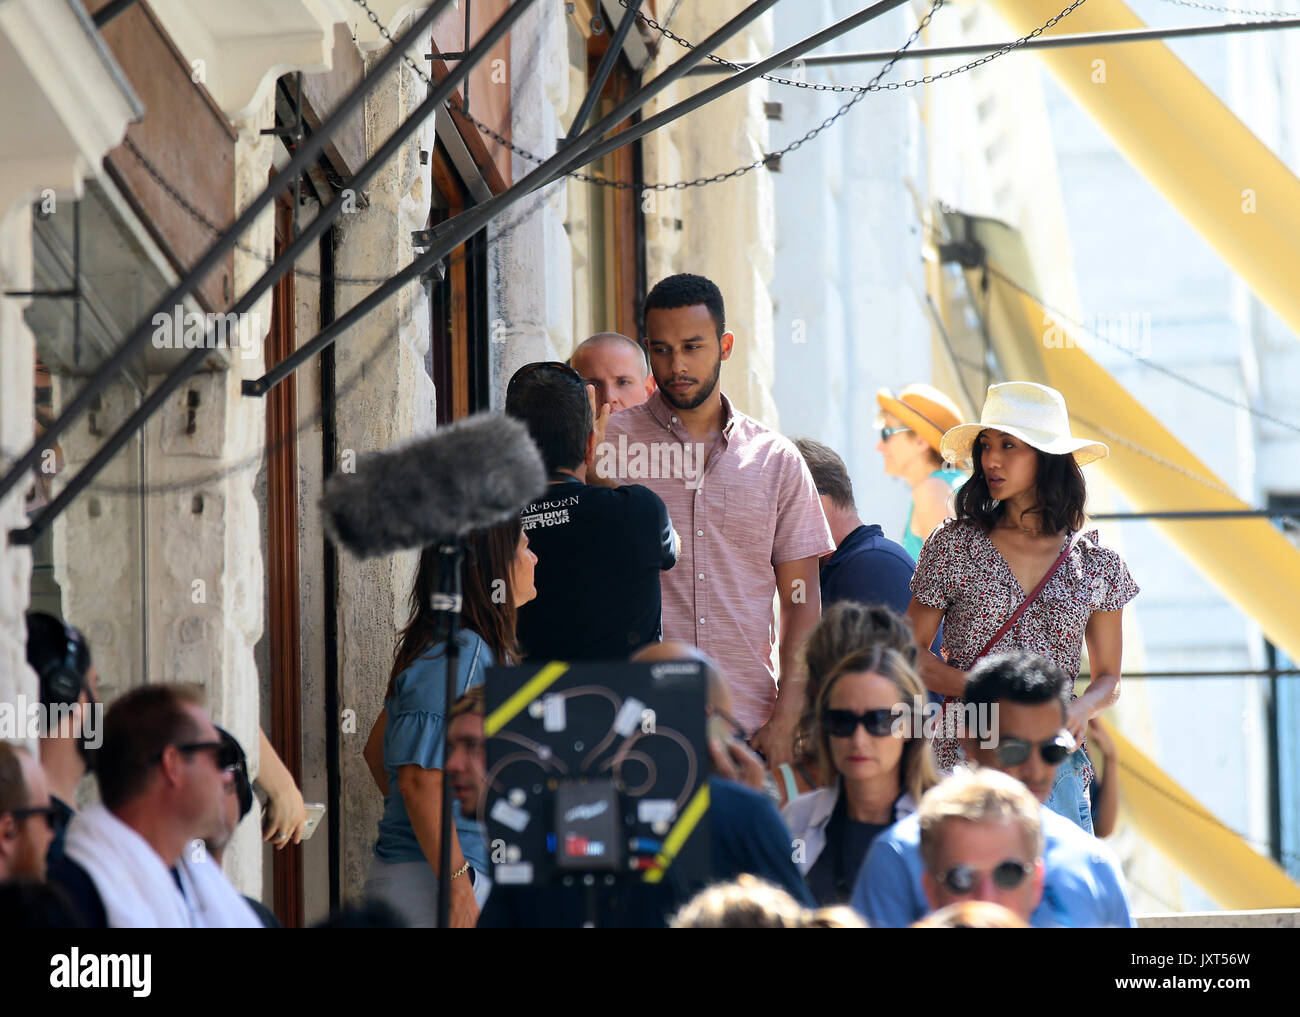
(225, 754)
(1014, 751)
(1008, 875)
(843, 723)
(554, 365)
(888, 432)
(50, 813)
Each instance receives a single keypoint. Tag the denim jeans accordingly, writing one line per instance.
(1068, 797)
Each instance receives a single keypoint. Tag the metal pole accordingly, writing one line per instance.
(954, 362)
(1042, 42)
(303, 157)
(577, 153)
(735, 81)
(1266, 672)
(109, 11)
(309, 236)
(1274, 760)
(602, 70)
(329, 575)
(457, 230)
(1200, 514)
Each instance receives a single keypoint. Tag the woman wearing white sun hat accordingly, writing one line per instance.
(1015, 572)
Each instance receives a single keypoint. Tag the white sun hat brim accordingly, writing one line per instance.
(958, 443)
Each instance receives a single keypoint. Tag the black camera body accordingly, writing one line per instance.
(596, 774)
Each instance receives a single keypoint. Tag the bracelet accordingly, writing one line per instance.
(461, 871)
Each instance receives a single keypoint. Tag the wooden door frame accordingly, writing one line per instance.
(452, 378)
(282, 566)
(624, 261)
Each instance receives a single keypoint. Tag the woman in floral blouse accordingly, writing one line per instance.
(1017, 515)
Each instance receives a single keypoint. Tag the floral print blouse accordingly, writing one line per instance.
(962, 573)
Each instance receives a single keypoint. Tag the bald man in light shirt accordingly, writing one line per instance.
(616, 367)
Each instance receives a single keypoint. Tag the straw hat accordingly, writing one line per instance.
(923, 409)
(1033, 413)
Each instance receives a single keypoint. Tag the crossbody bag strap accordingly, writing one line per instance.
(1033, 595)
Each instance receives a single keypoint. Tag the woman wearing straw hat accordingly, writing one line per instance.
(911, 426)
(1014, 571)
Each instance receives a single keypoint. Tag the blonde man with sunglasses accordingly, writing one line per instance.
(1083, 884)
(982, 839)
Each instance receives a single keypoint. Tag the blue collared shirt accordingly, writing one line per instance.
(414, 734)
(1083, 887)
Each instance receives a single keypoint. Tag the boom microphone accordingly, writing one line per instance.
(474, 473)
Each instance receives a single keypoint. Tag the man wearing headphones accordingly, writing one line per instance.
(60, 656)
(68, 683)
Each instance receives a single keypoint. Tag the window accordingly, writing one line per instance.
(96, 274)
(605, 224)
(1284, 727)
(458, 349)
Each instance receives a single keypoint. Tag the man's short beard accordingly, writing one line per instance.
(706, 390)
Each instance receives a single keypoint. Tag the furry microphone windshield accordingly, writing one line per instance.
(474, 473)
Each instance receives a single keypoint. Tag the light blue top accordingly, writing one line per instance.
(911, 542)
(414, 734)
(1083, 886)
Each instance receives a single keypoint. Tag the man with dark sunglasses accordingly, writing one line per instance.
(220, 903)
(26, 815)
(163, 771)
(1083, 885)
(982, 839)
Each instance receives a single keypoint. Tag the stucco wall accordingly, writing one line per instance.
(17, 367)
(384, 396)
(727, 230)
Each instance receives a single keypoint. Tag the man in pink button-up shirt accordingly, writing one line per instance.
(744, 504)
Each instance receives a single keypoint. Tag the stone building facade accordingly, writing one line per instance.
(197, 554)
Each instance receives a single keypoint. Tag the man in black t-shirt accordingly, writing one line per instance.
(599, 550)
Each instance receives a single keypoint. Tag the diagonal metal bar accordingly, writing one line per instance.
(735, 81)
(456, 231)
(1200, 514)
(304, 156)
(194, 360)
(109, 11)
(1043, 42)
(602, 70)
(577, 153)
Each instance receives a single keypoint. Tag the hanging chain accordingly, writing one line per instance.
(213, 228)
(1216, 9)
(873, 85)
(769, 157)
(680, 184)
(1236, 404)
(479, 124)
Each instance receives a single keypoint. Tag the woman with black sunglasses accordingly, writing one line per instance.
(879, 758)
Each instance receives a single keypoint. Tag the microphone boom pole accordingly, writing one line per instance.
(446, 604)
